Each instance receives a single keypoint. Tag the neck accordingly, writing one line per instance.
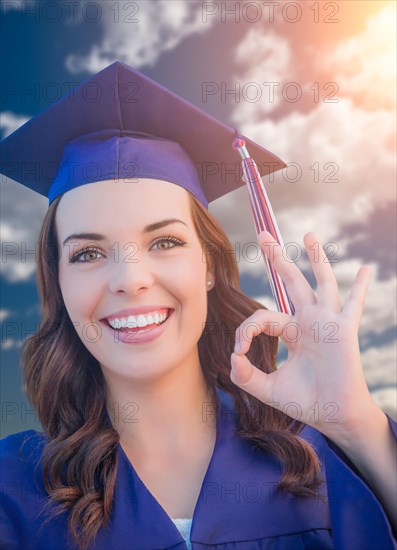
(166, 415)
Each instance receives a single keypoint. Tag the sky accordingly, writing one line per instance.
(314, 82)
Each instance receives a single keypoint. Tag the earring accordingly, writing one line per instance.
(209, 283)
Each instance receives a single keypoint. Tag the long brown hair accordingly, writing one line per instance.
(65, 385)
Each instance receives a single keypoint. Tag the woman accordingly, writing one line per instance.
(153, 415)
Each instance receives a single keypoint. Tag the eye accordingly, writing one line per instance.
(84, 252)
(79, 256)
(174, 240)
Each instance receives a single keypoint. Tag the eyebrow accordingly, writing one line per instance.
(99, 237)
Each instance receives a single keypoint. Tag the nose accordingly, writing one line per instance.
(131, 274)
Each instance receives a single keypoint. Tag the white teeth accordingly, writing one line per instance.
(131, 322)
(140, 321)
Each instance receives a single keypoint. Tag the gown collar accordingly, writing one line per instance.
(237, 499)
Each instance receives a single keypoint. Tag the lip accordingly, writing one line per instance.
(136, 311)
(137, 337)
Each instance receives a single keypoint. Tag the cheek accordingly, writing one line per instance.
(191, 285)
(80, 295)
(190, 275)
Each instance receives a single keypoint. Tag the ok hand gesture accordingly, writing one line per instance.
(322, 381)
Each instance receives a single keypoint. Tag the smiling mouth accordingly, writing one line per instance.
(132, 327)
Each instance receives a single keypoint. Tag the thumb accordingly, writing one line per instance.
(249, 378)
(242, 369)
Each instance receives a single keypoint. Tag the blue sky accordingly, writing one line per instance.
(341, 59)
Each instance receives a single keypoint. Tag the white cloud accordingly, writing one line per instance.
(308, 206)
(365, 64)
(337, 138)
(161, 25)
(387, 400)
(379, 313)
(263, 60)
(351, 140)
(22, 213)
(4, 313)
(379, 364)
(11, 343)
(9, 122)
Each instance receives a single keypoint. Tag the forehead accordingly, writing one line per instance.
(114, 205)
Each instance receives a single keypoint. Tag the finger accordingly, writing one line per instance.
(327, 286)
(296, 284)
(250, 379)
(354, 305)
(262, 320)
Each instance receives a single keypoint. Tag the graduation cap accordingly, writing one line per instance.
(120, 124)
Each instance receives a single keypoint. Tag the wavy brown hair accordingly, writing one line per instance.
(65, 385)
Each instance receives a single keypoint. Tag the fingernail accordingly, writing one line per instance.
(237, 347)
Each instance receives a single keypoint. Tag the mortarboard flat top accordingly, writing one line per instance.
(121, 124)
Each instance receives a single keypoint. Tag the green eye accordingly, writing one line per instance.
(82, 253)
(169, 239)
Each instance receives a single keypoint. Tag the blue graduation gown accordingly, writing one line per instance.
(238, 507)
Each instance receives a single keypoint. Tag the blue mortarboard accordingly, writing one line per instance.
(120, 124)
